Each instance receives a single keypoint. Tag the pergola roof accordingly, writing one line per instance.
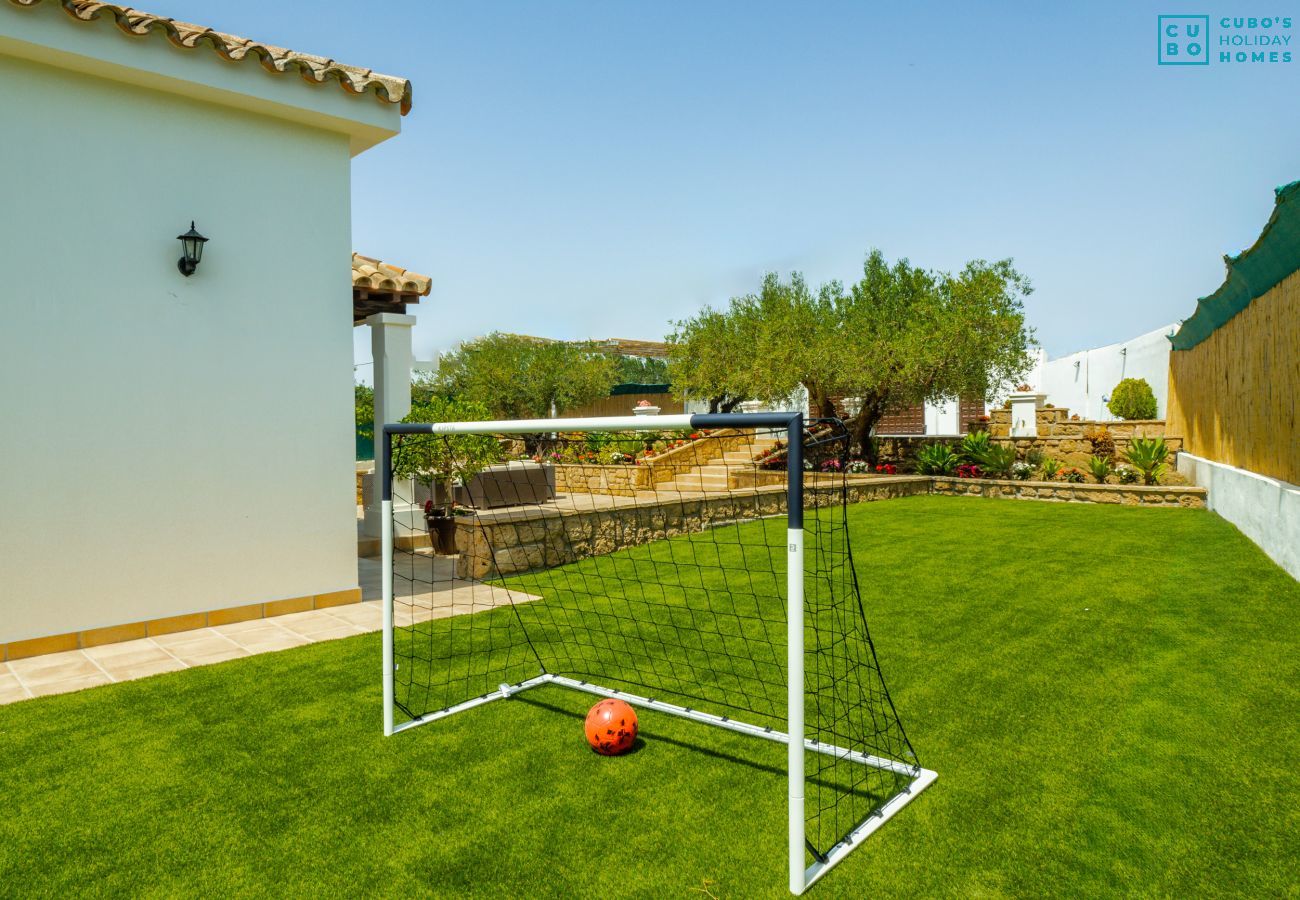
(277, 60)
(378, 287)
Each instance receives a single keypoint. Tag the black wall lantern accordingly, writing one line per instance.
(191, 251)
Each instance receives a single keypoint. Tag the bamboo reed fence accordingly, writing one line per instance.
(1232, 397)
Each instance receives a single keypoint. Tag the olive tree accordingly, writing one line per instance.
(899, 336)
(438, 460)
(516, 377)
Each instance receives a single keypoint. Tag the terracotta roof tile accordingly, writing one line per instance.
(315, 69)
(372, 274)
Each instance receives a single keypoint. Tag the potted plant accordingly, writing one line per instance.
(438, 461)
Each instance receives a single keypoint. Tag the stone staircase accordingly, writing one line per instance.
(712, 477)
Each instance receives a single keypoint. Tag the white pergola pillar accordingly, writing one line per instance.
(390, 347)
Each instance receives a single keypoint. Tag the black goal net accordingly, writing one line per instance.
(650, 563)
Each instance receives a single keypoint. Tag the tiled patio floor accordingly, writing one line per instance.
(58, 673)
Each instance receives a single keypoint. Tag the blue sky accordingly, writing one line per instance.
(597, 169)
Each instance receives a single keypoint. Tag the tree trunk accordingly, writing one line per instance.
(819, 403)
(862, 427)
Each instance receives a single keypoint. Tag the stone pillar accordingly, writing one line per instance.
(1024, 413)
(390, 347)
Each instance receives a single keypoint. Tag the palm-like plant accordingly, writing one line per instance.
(1101, 468)
(997, 460)
(936, 459)
(1149, 456)
(973, 446)
(1051, 468)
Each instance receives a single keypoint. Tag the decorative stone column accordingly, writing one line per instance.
(390, 347)
(1024, 413)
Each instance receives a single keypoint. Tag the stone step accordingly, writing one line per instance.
(697, 482)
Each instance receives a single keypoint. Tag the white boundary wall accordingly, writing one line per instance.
(1082, 381)
(1266, 510)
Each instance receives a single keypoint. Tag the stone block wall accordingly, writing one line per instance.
(538, 538)
(591, 478)
(1059, 437)
(1062, 491)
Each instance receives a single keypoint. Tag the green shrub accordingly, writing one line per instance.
(1127, 475)
(1132, 399)
(1074, 476)
(973, 446)
(1035, 458)
(1051, 468)
(1101, 468)
(936, 459)
(997, 460)
(1149, 456)
(440, 460)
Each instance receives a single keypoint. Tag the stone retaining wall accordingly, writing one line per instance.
(1063, 491)
(536, 538)
(1059, 437)
(591, 478)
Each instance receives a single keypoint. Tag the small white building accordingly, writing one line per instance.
(1083, 381)
(175, 450)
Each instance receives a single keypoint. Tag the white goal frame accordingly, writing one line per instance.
(801, 876)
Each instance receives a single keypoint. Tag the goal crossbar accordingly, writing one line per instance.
(801, 875)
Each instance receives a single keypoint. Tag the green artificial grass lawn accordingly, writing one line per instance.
(1111, 697)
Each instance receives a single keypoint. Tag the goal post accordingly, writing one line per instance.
(539, 595)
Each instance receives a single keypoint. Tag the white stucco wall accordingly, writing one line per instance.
(168, 444)
(1266, 510)
(1081, 380)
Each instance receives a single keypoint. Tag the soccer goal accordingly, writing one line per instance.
(695, 566)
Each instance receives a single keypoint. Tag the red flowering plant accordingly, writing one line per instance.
(970, 470)
(886, 469)
(831, 465)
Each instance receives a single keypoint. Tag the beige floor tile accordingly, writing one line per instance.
(292, 619)
(53, 667)
(152, 657)
(253, 628)
(142, 649)
(280, 641)
(11, 689)
(331, 632)
(204, 640)
(364, 614)
(322, 626)
(249, 631)
(66, 685)
(210, 656)
(145, 669)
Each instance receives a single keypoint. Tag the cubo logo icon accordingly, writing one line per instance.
(1184, 41)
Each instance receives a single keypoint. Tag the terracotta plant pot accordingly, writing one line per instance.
(442, 533)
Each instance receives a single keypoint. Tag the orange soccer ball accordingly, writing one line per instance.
(611, 727)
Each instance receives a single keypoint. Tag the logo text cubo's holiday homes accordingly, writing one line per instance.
(1196, 40)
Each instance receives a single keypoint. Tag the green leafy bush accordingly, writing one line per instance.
(997, 460)
(1132, 399)
(1149, 456)
(1127, 475)
(1035, 458)
(442, 459)
(364, 402)
(936, 459)
(973, 446)
(1101, 468)
(1051, 468)
(1074, 476)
